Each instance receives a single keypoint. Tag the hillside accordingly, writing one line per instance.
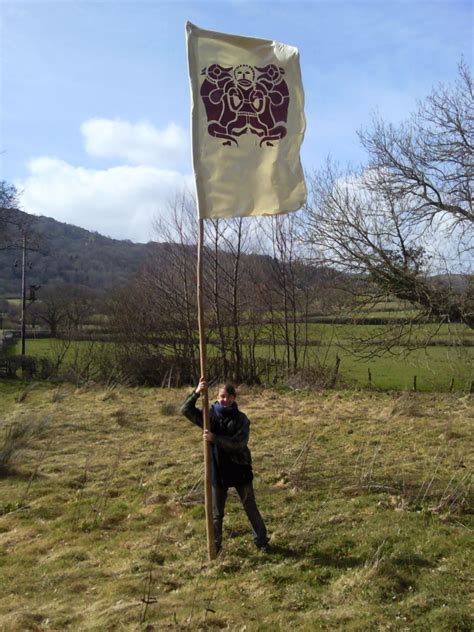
(60, 252)
(366, 496)
(65, 253)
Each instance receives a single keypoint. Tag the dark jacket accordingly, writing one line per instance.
(231, 459)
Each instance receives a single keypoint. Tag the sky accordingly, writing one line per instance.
(95, 104)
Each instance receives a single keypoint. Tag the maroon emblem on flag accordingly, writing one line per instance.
(245, 100)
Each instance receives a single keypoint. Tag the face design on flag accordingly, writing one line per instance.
(245, 100)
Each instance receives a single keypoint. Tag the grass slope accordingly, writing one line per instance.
(366, 496)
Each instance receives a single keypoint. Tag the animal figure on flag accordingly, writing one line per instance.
(245, 100)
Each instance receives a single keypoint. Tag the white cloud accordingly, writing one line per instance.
(137, 143)
(120, 202)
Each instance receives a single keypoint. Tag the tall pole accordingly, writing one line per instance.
(211, 548)
(23, 296)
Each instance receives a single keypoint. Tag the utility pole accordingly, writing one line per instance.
(33, 288)
(23, 295)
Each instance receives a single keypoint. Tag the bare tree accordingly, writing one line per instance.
(228, 240)
(429, 161)
(13, 223)
(172, 276)
(9, 203)
(219, 279)
(65, 308)
(287, 292)
(154, 318)
(404, 224)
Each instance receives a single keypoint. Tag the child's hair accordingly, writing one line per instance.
(229, 389)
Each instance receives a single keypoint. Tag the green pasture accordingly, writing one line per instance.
(51, 347)
(389, 314)
(344, 334)
(434, 366)
(76, 354)
(328, 332)
(14, 301)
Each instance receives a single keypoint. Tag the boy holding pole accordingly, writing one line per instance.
(231, 459)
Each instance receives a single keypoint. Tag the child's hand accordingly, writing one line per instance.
(208, 436)
(202, 386)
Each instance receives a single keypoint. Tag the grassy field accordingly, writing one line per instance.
(343, 334)
(366, 495)
(50, 347)
(434, 367)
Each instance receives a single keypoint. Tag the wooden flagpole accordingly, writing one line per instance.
(211, 548)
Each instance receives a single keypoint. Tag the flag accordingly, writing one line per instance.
(248, 124)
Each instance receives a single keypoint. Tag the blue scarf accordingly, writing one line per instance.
(223, 412)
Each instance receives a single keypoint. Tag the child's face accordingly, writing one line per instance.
(224, 398)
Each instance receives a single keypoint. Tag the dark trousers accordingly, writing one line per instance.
(247, 497)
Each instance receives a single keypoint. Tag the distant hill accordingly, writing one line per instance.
(72, 255)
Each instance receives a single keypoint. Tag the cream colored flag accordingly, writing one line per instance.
(247, 124)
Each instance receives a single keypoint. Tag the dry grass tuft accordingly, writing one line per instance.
(18, 436)
(121, 417)
(23, 394)
(57, 395)
(407, 405)
(168, 409)
(27, 621)
(314, 379)
(108, 394)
